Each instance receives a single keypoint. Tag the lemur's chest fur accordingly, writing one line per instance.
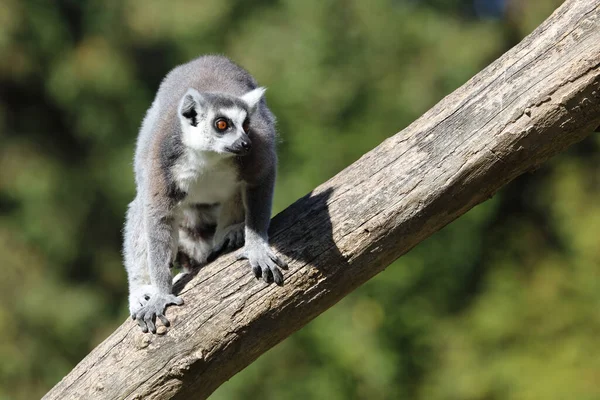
(206, 179)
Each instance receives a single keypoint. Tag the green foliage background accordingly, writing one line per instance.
(504, 303)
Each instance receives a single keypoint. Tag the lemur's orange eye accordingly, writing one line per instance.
(221, 124)
(246, 126)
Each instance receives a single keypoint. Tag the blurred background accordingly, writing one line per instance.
(504, 303)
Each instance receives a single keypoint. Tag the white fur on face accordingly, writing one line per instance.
(198, 137)
(236, 116)
(204, 137)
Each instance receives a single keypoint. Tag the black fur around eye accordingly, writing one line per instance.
(246, 125)
(221, 124)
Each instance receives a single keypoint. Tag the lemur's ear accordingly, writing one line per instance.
(190, 106)
(253, 97)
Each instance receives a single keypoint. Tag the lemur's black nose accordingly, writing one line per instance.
(246, 145)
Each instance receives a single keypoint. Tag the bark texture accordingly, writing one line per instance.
(536, 100)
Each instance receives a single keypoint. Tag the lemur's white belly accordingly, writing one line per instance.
(209, 185)
(213, 187)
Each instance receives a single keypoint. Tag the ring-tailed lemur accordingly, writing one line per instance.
(205, 171)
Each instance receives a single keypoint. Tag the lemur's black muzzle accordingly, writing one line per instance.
(242, 146)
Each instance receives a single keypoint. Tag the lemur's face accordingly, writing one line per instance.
(218, 123)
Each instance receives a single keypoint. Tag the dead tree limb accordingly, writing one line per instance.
(532, 103)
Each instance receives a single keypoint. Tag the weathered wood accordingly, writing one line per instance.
(537, 99)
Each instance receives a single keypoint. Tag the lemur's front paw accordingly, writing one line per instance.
(139, 297)
(264, 262)
(231, 238)
(155, 307)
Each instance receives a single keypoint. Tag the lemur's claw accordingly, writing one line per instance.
(265, 264)
(155, 308)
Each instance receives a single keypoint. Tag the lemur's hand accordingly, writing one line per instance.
(146, 304)
(263, 262)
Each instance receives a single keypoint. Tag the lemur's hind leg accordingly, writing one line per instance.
(230, 225)
(196, 237)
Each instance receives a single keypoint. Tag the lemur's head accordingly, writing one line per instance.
(218, 122)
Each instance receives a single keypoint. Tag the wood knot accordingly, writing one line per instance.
(161, 330)
(144, 341)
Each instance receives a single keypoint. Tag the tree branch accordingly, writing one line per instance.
(532, 103)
